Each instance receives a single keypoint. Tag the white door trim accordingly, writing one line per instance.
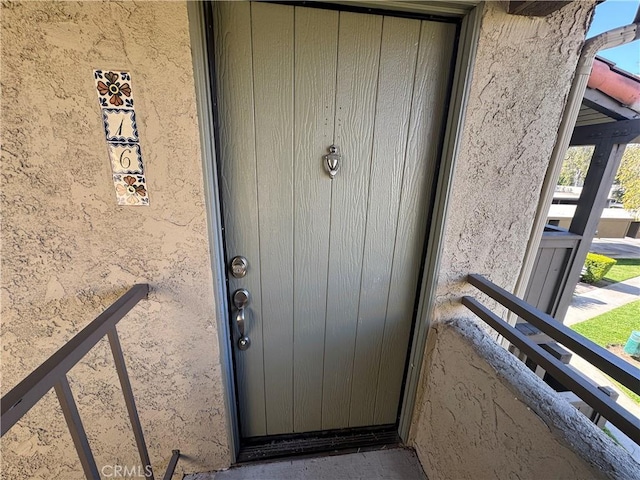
(465, 57)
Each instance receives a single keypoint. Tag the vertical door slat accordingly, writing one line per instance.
(358, 57)
(272, 31)
(238, 186)
(316, 39)
(395, 84)
(427, 116)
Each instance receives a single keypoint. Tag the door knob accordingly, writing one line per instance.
(241, 299)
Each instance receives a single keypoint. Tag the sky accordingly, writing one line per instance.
(613, 14)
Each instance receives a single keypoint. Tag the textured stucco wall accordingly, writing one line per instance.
(68, 250)
(521, 78)
(479, 424)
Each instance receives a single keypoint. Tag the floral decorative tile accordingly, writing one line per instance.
(125, 158)
(120, 125)
(114, 88)
(131, 189)
(121, 132)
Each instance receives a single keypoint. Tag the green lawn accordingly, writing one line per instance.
(624, 269)
(613, 328)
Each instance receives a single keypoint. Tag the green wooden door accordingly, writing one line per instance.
(333, 264)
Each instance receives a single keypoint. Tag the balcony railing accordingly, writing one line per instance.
(53, 374)
(615, 367)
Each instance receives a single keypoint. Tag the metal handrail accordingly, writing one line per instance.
(618, 369)
(53, 374)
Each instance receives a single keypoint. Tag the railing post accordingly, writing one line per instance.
(127, 391)
(53, 374)
(31, 389)
(595, 398)
(606, 361)
(172, 465)
(617, 368)
(79, 436)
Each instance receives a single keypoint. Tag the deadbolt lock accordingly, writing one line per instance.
(239, 266)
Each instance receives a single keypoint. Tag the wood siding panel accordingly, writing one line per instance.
(425, 132)
(556, 271)
(395, 84)
(541, 270)
(316, 51)
(239, 195)
(358, 58)
(533, 271)
(272, 33)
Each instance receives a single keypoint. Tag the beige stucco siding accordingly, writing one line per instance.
(521, 78)
(68, 251)
(490, 417)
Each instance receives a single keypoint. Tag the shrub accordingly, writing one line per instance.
(596, 267)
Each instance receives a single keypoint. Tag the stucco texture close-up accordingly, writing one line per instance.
(521, 78)
(491, 417)
(69, 251)
(515, 104)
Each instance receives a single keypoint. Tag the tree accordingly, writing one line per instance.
(575, 166)
(628, 179)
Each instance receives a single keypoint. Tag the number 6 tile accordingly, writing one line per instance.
(125, 158)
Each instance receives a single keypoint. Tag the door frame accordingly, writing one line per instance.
(469, 15)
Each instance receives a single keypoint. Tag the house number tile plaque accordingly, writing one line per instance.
(121, 133)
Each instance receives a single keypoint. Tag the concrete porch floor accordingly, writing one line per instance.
(392, 464)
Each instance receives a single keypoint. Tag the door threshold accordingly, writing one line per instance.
(325, 442)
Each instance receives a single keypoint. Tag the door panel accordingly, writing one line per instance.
(316, 39)
(334, 264)
(358, 63)
(234, 70)
(430, 92)
(272, 31)
(395, 82)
